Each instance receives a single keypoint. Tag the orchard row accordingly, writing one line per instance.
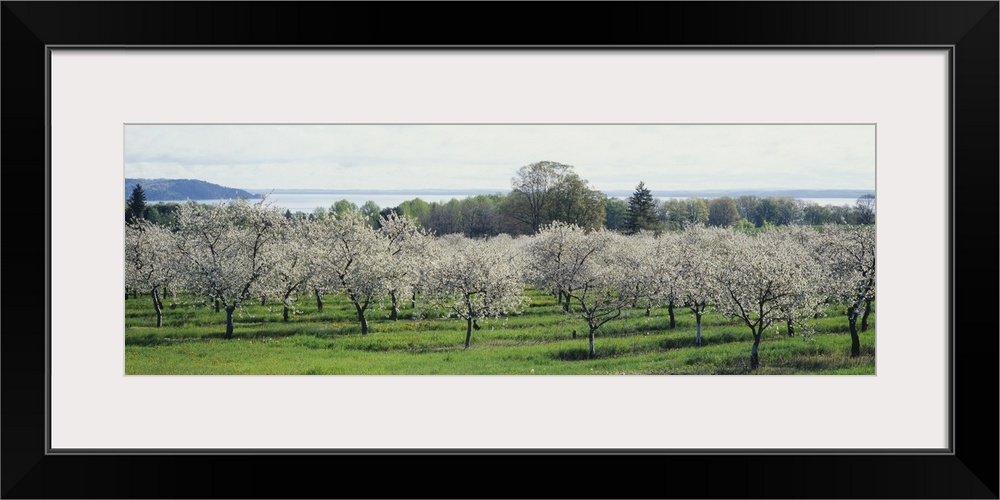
(241, 251)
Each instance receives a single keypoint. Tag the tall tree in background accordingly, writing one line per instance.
(136, 205)
(614, 213)
(370, 211)
(696, 211)
(641, 213)
(415, 209)
(532, 192)
(574, 202)
(865, 208)
(723, 212)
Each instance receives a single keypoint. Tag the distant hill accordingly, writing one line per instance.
(184, 189)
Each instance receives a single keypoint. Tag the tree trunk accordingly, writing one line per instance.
(468, 332)
(159, 308)
(852, 320)
(319, 300)
(754, 358)
(229, 321)
(216, 304)
(362, 319)
(791, 328)
(864, 317)
(670, 308)
(413, 300)
(565, 302)
(285, 302)
(395, 307)
(593, 353)
(263, 300)
(135, 293)
(647, 310)
(560, 295)
(697, 334)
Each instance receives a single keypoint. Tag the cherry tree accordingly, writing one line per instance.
(318, 292)
(423, 272)
(297, 265)
(228, 250)
(823, 282)
(150, 260)
(477, 279)
(592, 272)
(551, 264)
(408, 247)
(761, 279)
(664, 283)
(354, 261)
(849, 253)
(641, 268)
(695, 251)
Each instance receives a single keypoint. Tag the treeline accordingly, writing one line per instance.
(546, 192)
(161, 214)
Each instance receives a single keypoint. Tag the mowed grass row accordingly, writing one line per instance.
(538, 341)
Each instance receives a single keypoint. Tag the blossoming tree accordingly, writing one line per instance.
(297, 266)
(592, 272)
(663, 280)
(150, 260)
(477, 279)
(850, 255)
(354, 262)
(761, 279)
(695, 253)
(408, 247)
(227, 251)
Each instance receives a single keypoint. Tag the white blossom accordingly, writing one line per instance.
(477, 279)
(762, 279)
(589, 267)
(227, 251)
(150, 261)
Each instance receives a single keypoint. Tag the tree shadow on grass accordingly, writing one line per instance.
(708, 339)
(583, 353)
(153, 339)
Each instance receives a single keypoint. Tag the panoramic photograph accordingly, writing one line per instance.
(564, 249)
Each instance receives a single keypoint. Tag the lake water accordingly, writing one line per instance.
(307, 202)
(831, 201)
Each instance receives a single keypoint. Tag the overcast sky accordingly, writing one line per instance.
(611, 157)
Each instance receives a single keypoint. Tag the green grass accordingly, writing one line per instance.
(538, 341)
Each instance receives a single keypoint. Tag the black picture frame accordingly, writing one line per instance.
(969, 28)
